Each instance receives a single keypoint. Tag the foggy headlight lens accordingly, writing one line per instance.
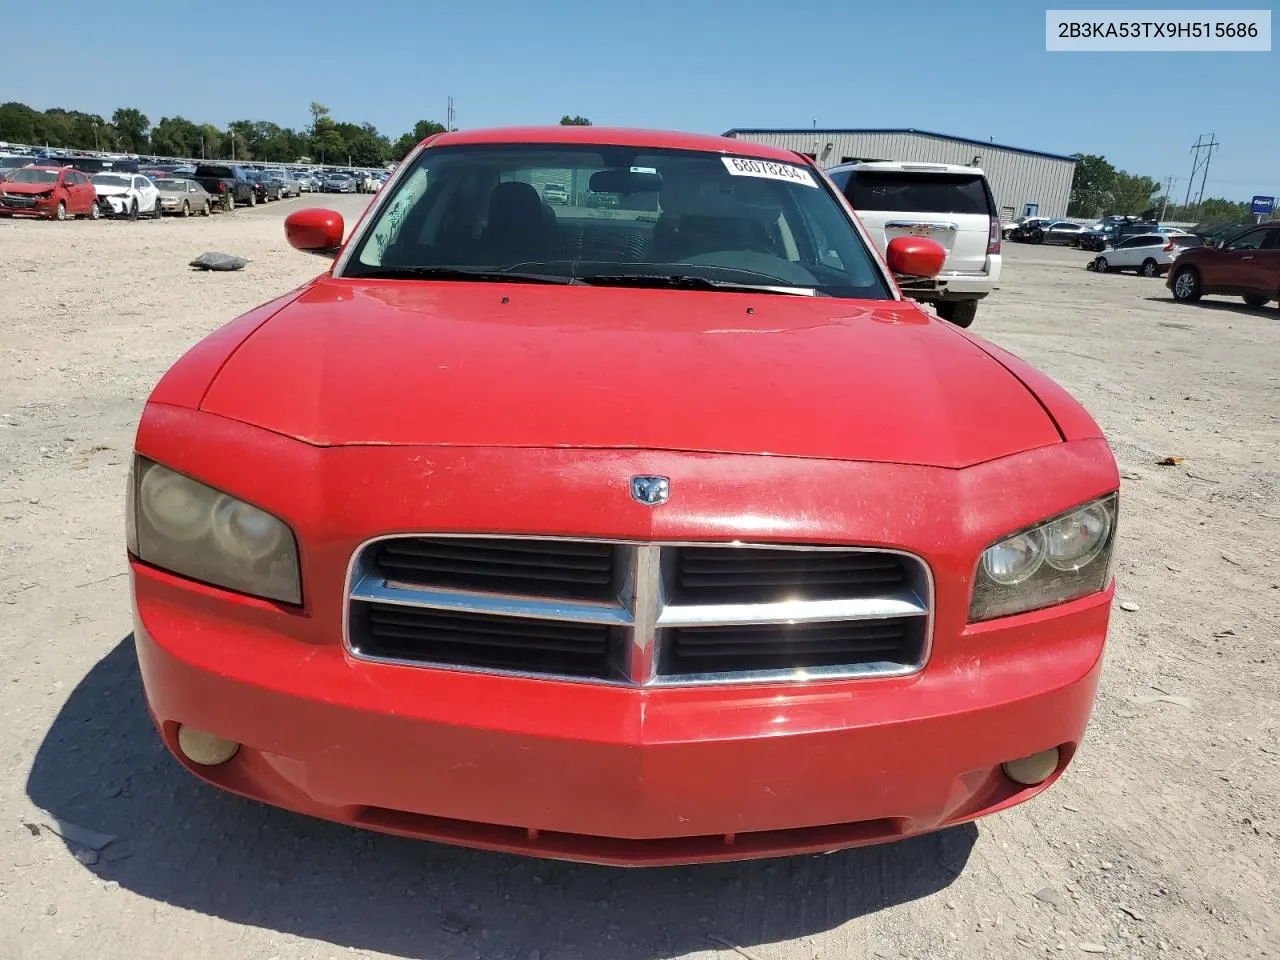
(193, 530)
(1065, 557)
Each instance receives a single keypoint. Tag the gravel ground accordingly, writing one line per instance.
(1161, 841)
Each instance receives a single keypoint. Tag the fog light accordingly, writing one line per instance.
(1034, 769)
(204, 748)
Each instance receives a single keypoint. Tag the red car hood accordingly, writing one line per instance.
(478, 364)
(25, 189)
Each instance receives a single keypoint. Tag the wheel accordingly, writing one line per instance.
(229, 203)
(1150, 268)
(1101, 265)
(95, 211)
(205, 212)
(60, 211)
(157, 211)
(133, 209)
(959, 312)
(186, 208)
(1186, 285)
(253, 198)
(1256, 299)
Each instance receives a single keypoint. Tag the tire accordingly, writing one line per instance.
(959, 312)
(157, 211)
(1256, 299)
(133, 209)
(206, 211)
(230, 203)
(60, 211)
(1101, 265)
(186, 209)
(95, 211)
(1149, 268)
(1186, 285)
(253, 199)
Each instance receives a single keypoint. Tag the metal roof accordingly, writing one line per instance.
(924, 133)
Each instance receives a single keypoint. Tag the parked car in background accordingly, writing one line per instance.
(1114, 231)
(182, 197)
(339, 183)
(1059, 232)
(227, 183)
(290, 186)
(1149, 254)
(267, 185)
(127, 195)
(1013, 230)
(1247, 265)
(54, 193)
(555, 193)
(367, 181)
(948, 203)
(10, 163)
(798, 566)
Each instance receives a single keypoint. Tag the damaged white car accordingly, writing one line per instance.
(127, 195)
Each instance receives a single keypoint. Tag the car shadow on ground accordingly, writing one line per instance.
(1267, 312)
(102, 766)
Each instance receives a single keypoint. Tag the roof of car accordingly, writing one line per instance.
(621, 136)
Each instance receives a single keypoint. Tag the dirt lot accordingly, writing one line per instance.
(1160, 842)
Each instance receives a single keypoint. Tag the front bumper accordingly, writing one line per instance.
(615, 774)
(19, 205)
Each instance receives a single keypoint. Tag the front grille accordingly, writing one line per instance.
(573, 569)
(762, 575)
(396, 632)
(752, 647)
(640, 613)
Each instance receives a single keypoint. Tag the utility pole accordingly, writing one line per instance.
(1168, 185)
(448, 124)
(1198, 165)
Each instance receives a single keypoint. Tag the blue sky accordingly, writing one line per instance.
(971, 70)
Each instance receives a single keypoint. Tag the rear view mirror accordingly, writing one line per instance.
(915, 257)
(626, 181)
(315, 231)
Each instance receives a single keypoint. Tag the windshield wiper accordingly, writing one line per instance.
(479, 274)
(684, 281)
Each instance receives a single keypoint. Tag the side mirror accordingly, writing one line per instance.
(315, 231)
(915, 257)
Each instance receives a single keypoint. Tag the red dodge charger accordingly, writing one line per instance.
(647, 526)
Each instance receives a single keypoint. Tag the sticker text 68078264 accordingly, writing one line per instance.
(742, 167)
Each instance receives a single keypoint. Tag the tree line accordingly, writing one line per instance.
(1099, 189)
(131, 131)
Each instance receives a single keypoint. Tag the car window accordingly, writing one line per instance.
(110, 180)
(1272, 241)
(903, 190)
(1186, 240)
(1250, 241)
(27, 175)
(632, 212)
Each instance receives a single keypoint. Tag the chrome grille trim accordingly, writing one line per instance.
(644, 612)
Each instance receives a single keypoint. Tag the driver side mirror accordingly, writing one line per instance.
(915, 257)
(315, 231)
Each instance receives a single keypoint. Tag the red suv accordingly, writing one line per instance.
(1247, 265)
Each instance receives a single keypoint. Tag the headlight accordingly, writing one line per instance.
(193, 530)
(1064, 557)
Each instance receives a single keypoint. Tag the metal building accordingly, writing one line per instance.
(1025, 182)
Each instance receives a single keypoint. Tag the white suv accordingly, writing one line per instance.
(943, 201)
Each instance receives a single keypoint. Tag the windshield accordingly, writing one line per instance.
(110, 180)
(921, 192)
(633, 216)
(33, 176)
(171, 186)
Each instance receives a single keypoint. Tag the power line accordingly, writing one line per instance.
(1200, 166)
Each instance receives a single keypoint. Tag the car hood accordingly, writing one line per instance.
(480, 364)
(25, 189)
(109, 191)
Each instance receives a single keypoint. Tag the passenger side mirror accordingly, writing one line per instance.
(315, 231)
(915, 257)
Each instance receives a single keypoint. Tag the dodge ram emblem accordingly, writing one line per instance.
(650, 491)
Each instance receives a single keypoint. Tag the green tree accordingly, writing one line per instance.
(132, 125)
(1132, 194)
(211, 146)
(574, 121)
(176, 137)
(1092, 187)
(20, 124)
(421, 130)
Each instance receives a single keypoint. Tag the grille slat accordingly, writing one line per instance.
(697, 650)
(562, 569)
(706, 575)
(395, 632)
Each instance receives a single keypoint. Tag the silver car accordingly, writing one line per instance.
(289, 185)
(182, 198)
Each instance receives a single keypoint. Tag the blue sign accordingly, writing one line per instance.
(1263, 206)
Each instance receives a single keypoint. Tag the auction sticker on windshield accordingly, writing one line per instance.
(742, 167)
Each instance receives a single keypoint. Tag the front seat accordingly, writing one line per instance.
(517, 226)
